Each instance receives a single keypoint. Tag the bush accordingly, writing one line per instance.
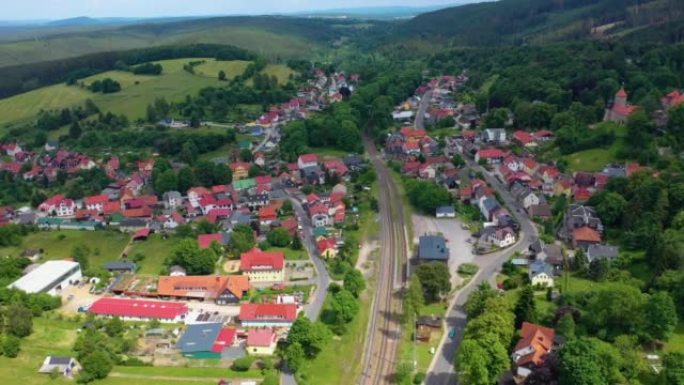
(10, 346)
(468, 269)
(243, 364)
(419, 378)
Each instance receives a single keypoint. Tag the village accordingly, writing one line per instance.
(247, 299)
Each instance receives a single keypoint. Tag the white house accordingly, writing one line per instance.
(172, 199)
(307, 160)
(496, 135)
(541, 274)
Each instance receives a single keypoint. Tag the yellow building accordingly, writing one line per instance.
(262, 266)
(240, 170)
(261, 342)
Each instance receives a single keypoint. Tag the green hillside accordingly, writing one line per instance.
(137, 91)
(539, 21)
(272, 37)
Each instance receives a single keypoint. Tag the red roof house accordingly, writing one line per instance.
(137, 309)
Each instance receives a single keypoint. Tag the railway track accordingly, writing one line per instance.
(384, 332)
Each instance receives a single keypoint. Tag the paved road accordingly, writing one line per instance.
(419, 123)
(442, 370)
(270, 132)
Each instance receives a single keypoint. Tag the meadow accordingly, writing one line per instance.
(137, 92)
(104, 245)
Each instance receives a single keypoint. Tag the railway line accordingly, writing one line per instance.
(384, 331)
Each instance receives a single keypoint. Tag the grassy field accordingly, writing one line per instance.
(53, 336)
(104, 245)
(212, 67)
(280, 71)
(339, 363)
(137, 91)
(591, 160)
(291, 255)
(155, 249)
(422, 349)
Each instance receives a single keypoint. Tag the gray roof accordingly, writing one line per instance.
(172, 194)
(433, 247)
(538, 267)
(59, 360)
(120, 265)
(602, 252)
(199, 338)
(446, 210)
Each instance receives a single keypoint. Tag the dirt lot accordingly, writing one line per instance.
(74, 297)
(460, 250)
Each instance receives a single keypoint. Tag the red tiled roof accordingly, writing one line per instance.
(523, 137)
(136, 308)
(205, 240)
(308, 158)
(268, 212)
(539, 338)
(256, 259)
(325, 244)
(96, 199)
(142, 233)
(260, 337)
(225, 339)
(263, 312)
(621, 93)
(202, 286)
(487, 153)
(586, 234)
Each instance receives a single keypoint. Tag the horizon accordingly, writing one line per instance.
(40, 10)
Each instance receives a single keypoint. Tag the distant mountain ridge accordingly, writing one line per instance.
(535, 21)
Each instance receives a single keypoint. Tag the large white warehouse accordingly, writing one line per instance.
(50, 277)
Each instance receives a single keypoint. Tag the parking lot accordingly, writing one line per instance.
(460, 249)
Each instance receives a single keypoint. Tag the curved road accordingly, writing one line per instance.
(442, 370)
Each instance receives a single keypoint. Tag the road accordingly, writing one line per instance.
(384, 329)
(442, 370)
(322, 280)
(270, 132)
(419, 123)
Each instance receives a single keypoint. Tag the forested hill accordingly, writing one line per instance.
(539, 21)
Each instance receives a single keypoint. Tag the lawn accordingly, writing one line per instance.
(291, 255)
(155, 249)
(422, 349)
(137, 92)
(53, 336)
(105, 245)
(280, 71)
(339, 363)
(676, 342)
(212, 68)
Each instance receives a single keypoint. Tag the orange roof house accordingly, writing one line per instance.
(223, 289)
(535, 343)
(585, 236)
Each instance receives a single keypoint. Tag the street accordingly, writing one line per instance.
(442, 371)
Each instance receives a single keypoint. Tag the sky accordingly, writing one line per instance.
(61, 9)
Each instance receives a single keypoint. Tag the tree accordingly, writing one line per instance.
(246, 155)
(566, 326)
(96, 366)
(242, 239)
(471, 363)
(279, 237)
(525, 309)
(476, 303)
(10, 345)
(435, 279)
(611, 208)
(581, 364)
(312, 336)
(354, 282)
(75, 130)
(296, 243)
(166, 181)
(673, 373)
(114, 327)
(243, 364)
(294, 355)
(222, 75)
(661, 316)
(80, 253)
(496, 118)
(195, 260)
(598, 269)
(414, 299)
(345, 307)
(19, 320)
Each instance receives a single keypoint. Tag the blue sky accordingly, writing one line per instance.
(59, 9)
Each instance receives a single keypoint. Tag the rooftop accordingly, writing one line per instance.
(433, 247)
(42, 277)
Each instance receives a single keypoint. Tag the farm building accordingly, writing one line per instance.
(50, 277)
(267, 315)
(136, 310)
